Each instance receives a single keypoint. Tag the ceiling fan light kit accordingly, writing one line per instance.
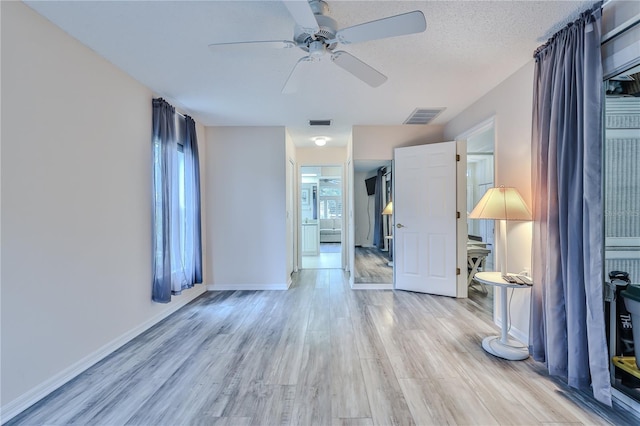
(318, 35)
(320, 141)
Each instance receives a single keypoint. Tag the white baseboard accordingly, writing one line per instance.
(233, 287)
(520, 335)
(35, 394)
(371, 286)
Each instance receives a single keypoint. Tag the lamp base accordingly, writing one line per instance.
(512, 350)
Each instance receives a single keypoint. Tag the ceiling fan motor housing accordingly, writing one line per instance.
(319, 7)
(327, 31)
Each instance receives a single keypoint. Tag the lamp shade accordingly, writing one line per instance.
(501, 203)
(388, 209)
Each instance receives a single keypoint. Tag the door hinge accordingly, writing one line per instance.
(457, 215)
(457, 157)
(457, 271)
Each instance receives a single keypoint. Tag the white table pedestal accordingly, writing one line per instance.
(502, 346)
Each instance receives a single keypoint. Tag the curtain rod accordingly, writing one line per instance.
(174, 108)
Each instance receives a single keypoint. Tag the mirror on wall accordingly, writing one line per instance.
(373, 236)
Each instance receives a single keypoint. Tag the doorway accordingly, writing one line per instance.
(321, 219)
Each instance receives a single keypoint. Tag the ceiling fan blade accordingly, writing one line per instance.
(407, 23)
(358, 68)
(303, 15)
(251, 45)
(296, 75)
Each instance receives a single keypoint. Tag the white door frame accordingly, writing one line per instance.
(345, 207)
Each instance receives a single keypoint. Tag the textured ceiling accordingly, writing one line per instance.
(468, 48)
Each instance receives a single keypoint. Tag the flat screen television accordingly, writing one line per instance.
(371, 185)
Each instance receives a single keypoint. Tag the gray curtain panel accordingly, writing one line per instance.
(192, 201)
(163, 146)
(567, 315)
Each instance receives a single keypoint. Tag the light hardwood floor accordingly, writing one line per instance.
(321, 354)
(372, 266)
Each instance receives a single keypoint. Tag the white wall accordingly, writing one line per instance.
(76, 203)
(511, 105)
(378, 142)
(246, 201)
(324, 155)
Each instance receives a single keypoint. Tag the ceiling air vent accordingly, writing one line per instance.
(319, 122)
(423, 115)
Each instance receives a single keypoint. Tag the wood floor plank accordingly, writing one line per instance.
(426, 405)
(352, 422)
(222, 421)
(367, 338)
(319, 311)
(338, 305)
(275, 406)
(212, 396)
(464, 405)
(495, 392)
(348, 393)
(406, 354)
(313, 392)
(287, 355)
(387, 402)
(320, 277)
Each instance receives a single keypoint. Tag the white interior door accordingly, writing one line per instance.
(425, 218)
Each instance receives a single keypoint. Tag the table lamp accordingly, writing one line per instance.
(503, 204)
(388, 209)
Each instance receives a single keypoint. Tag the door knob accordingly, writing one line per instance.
(399, 225)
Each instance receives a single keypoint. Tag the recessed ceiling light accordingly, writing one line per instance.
(320, 141)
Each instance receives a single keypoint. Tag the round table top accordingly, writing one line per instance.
(495, 278)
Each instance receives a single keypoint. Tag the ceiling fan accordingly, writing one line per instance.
(317, 34)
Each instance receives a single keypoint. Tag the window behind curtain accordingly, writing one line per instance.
(179, 206)
(176, 191)
(181, 134)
